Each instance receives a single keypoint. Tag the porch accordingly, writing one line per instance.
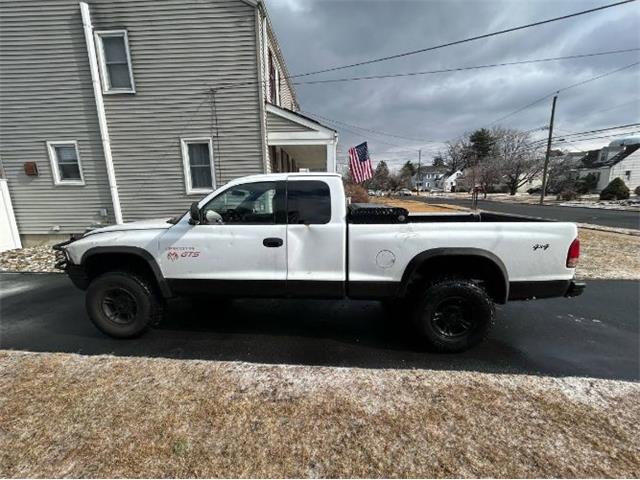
(298, 143)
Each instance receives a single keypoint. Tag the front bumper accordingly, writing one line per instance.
(575, 289)
(76, 273)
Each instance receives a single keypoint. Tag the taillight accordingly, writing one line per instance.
(574, 254)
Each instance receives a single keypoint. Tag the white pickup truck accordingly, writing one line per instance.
(293, 235)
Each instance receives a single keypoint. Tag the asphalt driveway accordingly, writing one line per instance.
(596, 334)
(595, 216)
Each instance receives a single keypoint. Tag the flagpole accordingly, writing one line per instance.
(419, 160)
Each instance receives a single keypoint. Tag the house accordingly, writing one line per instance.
(114, 111)
(428, 177)
(620, 159)
(449, 182)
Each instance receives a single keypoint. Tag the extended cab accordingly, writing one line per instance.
(293, 235)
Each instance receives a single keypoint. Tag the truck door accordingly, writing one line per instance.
(316, 238)
(244, 254)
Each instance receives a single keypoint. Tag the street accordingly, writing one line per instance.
(595, 335)
(596, 216)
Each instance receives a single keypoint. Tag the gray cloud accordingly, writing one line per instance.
(321, 33)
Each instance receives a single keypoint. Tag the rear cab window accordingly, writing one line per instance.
(308, 202)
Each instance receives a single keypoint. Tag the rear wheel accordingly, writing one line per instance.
(453, 315)
(123, 304)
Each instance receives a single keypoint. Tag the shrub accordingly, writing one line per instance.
(637, 190)
(616, 190)
(357, 193)
(568, 195)
(497, 189)
(587, 184)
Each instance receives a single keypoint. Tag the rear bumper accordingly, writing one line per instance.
(545, 289)
(575, 289)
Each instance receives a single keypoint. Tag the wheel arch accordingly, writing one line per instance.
(450, 260)
(101, 259)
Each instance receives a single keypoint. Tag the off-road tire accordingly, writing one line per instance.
(148, 304)
(478, 308)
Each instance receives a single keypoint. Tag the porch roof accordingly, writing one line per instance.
(286, 127)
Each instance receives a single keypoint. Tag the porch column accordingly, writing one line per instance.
(331, 156)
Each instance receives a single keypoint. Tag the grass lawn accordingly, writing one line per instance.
(76, 416)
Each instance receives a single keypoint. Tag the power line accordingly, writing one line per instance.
(618, 105)
(597, 77)
(590, 132)
(601, 136)
(369, 130)
(459, 69)
(629, 125)
(465, 40)
(355, 132)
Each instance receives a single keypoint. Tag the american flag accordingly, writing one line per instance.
(360, 163)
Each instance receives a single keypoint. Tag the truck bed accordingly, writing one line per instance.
(366, 213)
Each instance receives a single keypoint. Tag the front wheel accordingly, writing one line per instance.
(122, 304)
(453, 315)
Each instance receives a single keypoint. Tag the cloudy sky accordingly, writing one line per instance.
(429, 109)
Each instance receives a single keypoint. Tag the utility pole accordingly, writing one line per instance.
(546, 157)
(418, 175)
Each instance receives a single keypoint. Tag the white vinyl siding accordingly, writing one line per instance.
(114, 59)
(197, 158)
(65, 163)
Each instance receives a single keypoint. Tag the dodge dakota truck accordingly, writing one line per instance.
(294, 235)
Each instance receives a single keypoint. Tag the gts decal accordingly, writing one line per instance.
(176, 253)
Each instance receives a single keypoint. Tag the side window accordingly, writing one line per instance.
(308, 202)
(65, 163)
(115, 61)
(249, 203)
(198, 165)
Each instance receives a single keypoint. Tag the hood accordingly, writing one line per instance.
(155, 224)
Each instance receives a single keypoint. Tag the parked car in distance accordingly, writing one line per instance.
(371, 193)
(292, 235)
(404, 192)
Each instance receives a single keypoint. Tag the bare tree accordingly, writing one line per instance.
(516, 160)
(456, 155)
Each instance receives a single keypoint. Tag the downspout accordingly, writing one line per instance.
(261, 46)
(102, 117)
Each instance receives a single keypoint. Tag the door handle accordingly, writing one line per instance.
(272, 242)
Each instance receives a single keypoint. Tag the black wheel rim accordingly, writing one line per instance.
(452, 318)
(119, 306)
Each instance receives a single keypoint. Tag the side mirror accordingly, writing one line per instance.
(212, 217)
(194, 213)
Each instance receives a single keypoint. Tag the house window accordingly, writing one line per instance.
(65, 163)
(115, 61)
(197, 158)
(273, 80)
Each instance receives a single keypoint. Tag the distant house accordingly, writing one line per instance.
(428, 177)
(115, 110)
(450, 181)
(620, 159)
